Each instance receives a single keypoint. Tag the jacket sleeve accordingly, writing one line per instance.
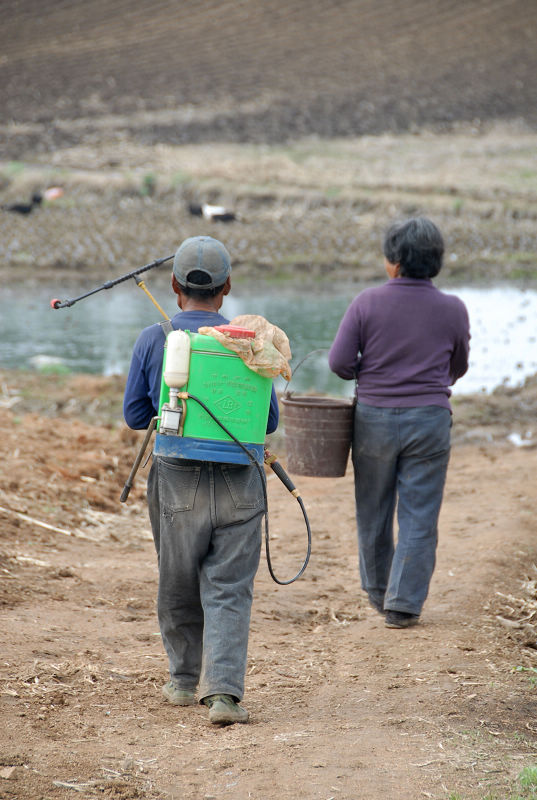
(142, 390)
(343, 356)
(458, 365)
(274, 413)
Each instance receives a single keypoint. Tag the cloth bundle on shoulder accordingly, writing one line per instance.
(268, 353)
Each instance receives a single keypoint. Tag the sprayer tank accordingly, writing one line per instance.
(238, 396)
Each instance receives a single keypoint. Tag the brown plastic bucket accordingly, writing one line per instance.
(318, 435)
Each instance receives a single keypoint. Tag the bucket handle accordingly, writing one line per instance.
(311, 353)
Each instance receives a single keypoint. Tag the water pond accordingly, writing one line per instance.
(96, 335)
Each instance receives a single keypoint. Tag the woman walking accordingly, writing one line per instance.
(405, 343)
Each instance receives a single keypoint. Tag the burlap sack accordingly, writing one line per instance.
(268, 354)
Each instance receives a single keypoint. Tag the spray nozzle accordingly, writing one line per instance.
(272, 461)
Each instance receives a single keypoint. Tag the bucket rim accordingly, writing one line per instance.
(319, 400)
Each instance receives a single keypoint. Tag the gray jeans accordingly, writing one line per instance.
(400, 458)
(206, 521)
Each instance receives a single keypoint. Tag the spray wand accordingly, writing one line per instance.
(110, 284)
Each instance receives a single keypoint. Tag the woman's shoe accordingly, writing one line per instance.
(401, 619)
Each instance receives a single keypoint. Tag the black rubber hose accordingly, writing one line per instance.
(282, 475)
(308, 554)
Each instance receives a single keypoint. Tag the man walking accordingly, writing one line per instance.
(205, 516)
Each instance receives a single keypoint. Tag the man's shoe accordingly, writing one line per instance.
(223, 710)
(401, 619)
(179, 697)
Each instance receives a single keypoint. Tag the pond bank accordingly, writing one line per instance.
(313, 210)
(98, 400)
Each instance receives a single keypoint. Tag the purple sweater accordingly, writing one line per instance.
(405, 342)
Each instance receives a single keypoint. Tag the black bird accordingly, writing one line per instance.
(48, 196)
(212, 213)
(25, 208)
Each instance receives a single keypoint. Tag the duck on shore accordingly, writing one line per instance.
(212, 213)
(24, 208)
(36, 200)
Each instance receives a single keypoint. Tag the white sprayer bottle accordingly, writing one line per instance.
(177, 359)
(176, 368)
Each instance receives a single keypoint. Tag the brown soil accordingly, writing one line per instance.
(260, 72)
(340, 706)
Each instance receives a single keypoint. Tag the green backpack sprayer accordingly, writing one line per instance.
(202, 384)
(204, 368)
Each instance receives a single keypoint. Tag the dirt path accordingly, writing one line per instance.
(341, 707)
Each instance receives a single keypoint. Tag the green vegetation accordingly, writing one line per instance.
(520, 273)
(22, 257)
(54, 369)
(14, 168)
(532, 676)
(149, 184)
(332, 191)
(179, 178)
(528, 174)
(525, 788)
(458, 205)
(528, 779)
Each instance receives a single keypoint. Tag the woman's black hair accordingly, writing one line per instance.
(417, 246)
(199, 277)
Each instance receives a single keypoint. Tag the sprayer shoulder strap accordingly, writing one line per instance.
(167, 327)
